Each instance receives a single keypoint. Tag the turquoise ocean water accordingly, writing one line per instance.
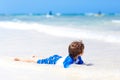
(89, 26)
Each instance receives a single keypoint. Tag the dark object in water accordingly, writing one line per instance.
(50, 13)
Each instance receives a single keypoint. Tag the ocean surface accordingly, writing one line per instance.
(97, 27)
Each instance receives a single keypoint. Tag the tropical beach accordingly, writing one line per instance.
(25, 36)
(31, 29)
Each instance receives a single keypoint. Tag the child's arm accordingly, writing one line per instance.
(68, 61)
(80, 61)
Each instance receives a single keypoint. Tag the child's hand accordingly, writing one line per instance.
(88, 64)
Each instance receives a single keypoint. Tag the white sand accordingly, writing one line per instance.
(16, 43)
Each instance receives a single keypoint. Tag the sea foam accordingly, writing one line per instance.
(61, 31)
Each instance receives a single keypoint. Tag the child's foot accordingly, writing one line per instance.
(16, 59)
(34, 56)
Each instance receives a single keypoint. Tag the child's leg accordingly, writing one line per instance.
(26, 60)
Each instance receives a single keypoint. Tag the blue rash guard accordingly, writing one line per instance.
(55, 58)
(68, 61)
(51, 60)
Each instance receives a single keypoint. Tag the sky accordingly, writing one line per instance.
(59, 6)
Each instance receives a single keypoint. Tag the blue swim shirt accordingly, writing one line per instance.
(66, 62)
(51, 60)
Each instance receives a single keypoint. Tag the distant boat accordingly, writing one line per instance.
(50, 14)
(99, 14)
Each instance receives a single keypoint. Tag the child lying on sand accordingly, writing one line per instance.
(75, 50)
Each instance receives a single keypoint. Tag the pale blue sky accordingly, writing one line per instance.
(62, 6)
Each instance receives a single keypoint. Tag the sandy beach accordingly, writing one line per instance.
(24, 43)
